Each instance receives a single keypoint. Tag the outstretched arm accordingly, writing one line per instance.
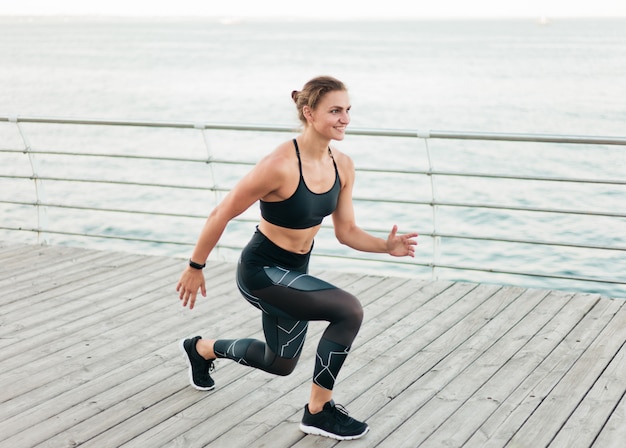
(257, 183)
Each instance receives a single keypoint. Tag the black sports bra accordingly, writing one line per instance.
(304, 208)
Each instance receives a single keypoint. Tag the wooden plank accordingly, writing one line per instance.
(42, 272)
(14, 256)
(514, 411)
(591, 415)
(93, 331)
(83, 303)
(96, 367)
(562, 400)
(501, 369)
(451, 382)
(53, 308)
(614, 432)
(43, 260)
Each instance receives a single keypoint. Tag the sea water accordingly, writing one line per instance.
(564, 77)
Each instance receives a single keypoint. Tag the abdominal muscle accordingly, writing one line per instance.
(299, 241)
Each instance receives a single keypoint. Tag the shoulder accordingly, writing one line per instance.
(345, 165)
(267, 176)
(273, 170)
(281, 159)
(282, 153)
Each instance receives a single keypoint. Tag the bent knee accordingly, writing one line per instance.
(359, 313)
(354, 311)
(283, 366)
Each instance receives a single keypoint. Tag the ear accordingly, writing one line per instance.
(306, 110)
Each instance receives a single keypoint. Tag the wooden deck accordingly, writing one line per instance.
(89, 357)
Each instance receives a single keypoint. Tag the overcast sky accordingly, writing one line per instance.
(320, 8)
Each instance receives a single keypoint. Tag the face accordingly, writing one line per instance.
(331, 116)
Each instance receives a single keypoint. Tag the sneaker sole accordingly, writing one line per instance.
(181, 346)
(315, 431)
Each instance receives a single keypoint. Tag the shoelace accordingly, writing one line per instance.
(341, 413)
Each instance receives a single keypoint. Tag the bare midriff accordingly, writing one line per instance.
(298, 241)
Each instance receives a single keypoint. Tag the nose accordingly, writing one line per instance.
(345, 118)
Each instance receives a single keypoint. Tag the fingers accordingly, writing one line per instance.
(192, 301)
(191, 281)
(188, 298)
(411, 243)
(401, 245)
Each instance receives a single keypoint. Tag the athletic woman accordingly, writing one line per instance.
(298, 184)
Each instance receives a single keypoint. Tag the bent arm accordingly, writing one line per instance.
(350, 234)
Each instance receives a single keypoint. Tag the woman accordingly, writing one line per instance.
(298, 184)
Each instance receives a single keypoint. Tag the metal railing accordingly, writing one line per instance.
(44, 172)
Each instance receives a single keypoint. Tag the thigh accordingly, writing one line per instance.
(305, 297)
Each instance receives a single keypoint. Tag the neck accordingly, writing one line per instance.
(312, 143)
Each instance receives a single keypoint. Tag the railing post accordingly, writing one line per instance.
(209, 162)
(209, 155)
(42, 211)
(433, 190)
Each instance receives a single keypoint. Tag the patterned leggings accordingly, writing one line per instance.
(289, 298)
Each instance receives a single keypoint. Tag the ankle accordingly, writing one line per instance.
(204, 348)
(316, 408)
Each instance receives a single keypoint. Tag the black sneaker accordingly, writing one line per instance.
(333, 422)
(199, 367)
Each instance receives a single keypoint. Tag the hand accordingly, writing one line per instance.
(190, 281)
(401, 245)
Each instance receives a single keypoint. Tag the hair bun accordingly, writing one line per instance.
(294, 95)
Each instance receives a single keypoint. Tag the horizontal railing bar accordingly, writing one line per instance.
(94, 235)
(130, 156)
(531, 274)
(429, 235)
(356, 198)
(500, 136)
(110, 156)
(117, 182)
(104, 209)
(532, 242)
(493, 206)
(433, 134)
(327, 255)
(532, 209)
(495, 176)
(522, 177)
(360, 169)
(155, 124)
(539, 138)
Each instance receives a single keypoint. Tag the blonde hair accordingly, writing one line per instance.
(313, 91)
